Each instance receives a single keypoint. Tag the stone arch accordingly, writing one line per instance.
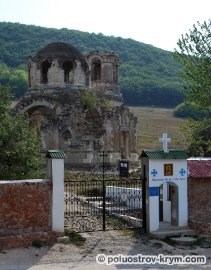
(44, 120)
(45, 65)
(26, 106)
(96, 69)
(41, 117)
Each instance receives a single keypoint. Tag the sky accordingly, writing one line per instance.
(160, 23)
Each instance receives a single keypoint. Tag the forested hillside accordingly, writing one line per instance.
(148, 75)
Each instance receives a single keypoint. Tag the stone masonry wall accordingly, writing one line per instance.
(25, 212)
(199, 204)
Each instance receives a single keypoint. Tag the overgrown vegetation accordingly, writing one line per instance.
(19, 145)
(148, 75)
(88, 99)
(75, 238)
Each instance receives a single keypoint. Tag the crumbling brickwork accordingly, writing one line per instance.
(199, 204)
(25, 212)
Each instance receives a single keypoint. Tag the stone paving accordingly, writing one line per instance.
(68, 256)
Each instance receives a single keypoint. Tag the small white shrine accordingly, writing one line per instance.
(166, 186)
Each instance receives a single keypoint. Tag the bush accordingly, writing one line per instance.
(185, 110)
(37, 243)
(19, 156)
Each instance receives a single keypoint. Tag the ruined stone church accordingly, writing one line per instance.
(76, 105)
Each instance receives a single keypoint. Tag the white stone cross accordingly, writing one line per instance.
(165, 140)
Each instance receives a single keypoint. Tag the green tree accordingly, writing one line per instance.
(19, 145)
(15, 78)
(199, 135)
(185, 110)
(195, 57)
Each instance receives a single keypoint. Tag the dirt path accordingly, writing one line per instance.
(69, 256)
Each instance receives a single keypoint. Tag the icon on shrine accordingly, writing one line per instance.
(168, 169)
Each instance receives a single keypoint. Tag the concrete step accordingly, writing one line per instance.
(168, 230)
(184, 240)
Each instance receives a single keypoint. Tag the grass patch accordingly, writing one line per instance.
(136, 233)
(75, 238)
(203, 242)
(37, 243)
(168, 240)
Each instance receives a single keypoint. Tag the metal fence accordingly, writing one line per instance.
(102, 201)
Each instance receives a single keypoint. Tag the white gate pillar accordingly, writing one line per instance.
(56, 174)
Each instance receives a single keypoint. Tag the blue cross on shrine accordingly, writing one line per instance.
(182, 172)
(154, 172)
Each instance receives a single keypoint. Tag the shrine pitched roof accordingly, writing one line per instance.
(158, 154)
(56, 154)
(199, 168)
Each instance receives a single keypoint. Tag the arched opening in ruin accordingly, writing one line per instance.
(41, 116)
(43, 120)
(67, 136)
(68, 71)
(44, 71)
(96, 70)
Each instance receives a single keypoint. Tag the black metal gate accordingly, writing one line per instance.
(96, 201)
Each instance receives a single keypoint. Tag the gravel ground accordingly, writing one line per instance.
(68, 256)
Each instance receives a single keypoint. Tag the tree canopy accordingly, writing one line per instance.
(16, 78)
(19, 145)
(195, 57)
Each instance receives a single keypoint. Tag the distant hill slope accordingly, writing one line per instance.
(148, 75)
(153, 122)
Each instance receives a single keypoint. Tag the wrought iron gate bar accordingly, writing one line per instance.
(84, 197)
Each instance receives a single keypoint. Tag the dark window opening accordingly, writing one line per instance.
(115, 73)
(96, 145)
(96, 70)
(45, 67)
(68, 71)
(29, 77)
(67, 136)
